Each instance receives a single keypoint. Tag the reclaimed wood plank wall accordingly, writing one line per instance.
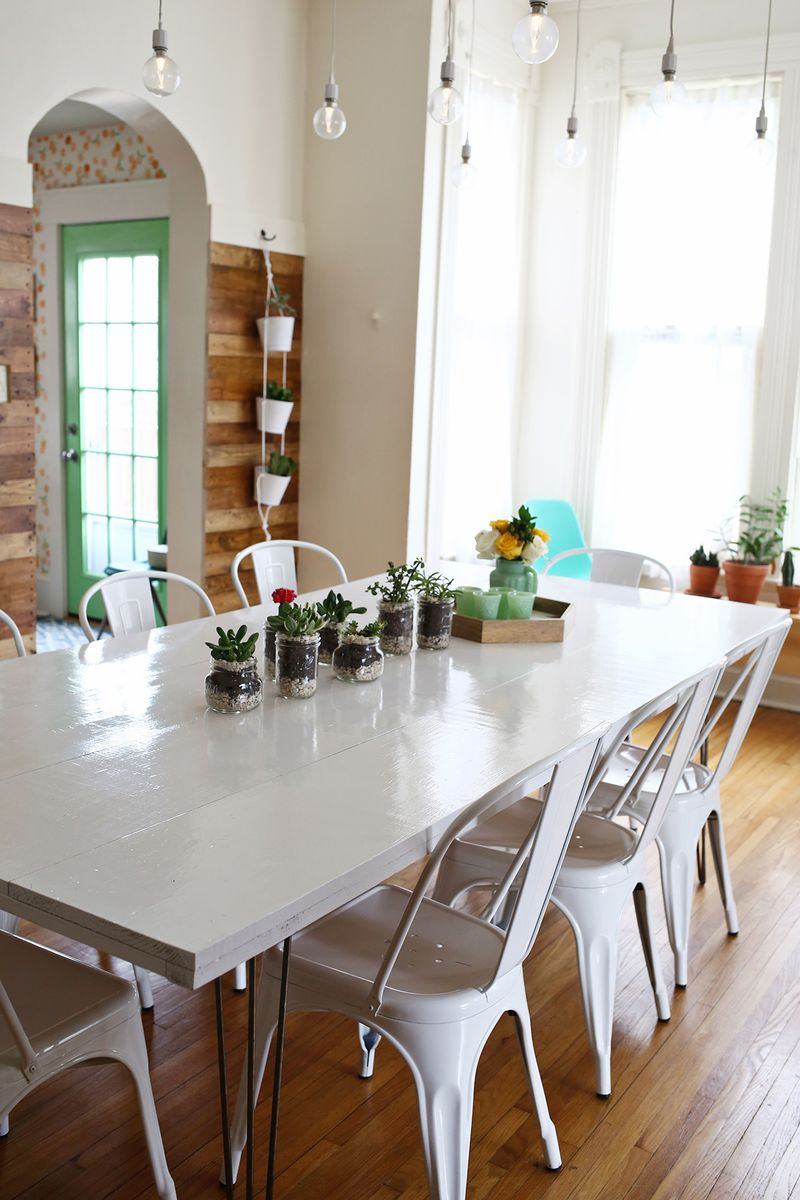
(237, 289)
(17, 445)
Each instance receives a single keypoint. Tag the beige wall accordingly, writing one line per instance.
(363, 227)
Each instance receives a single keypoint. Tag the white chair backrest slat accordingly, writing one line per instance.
(274, 567)
(5, 619)
(620, 567)
(128, 600)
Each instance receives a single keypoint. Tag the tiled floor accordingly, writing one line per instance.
(52, 634)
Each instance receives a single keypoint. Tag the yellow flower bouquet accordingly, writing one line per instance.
(516, 540)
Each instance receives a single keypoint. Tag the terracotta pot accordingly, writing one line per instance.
(703, 580)
(789, 597)
(744, 581)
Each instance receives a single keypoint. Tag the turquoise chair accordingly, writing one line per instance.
(560, 520)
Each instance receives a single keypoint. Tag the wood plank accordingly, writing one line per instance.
(15, 332)
(16, 276)
(15, 247)
(19, 358)
(16, 303)
(15, 219)
(17, 491)
(17, 545)
(18, 520)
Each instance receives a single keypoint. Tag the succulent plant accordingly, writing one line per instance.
(233, 646)
(335, 609)
(701, 558)
(400, 582)
(373, 630)
(435, 586)
(281, 464)
(297, 620)
(276, 392)
(280, 300)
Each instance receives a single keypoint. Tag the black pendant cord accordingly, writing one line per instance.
(223, 1091)
(251, 1102)
(278, 1068)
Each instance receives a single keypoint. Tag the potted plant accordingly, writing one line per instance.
(233, 685)
(274, 410)
(515, 546)
(436, 599)
(280, 327)
(281, 596)
(358, 658)
(788, 590)
(271, 484)
(758, 544)
(297, 628)
(703, 572)
(396, 605)
(336, 611)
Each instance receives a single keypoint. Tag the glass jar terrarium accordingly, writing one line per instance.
(398, 619)
(329, 638)
(434, 622)
(233, 687)
(269, 652)
(358, 659)
(297, 658)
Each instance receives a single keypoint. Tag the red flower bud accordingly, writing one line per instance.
(284, 595)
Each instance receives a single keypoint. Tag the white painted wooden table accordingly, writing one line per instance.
(136, 821)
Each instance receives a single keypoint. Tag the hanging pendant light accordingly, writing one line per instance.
(445, 104)
(329, 120)
(160, 74)
(571, 151)
(535, 36)
(464, 173)
(669, 95)
(763, 147)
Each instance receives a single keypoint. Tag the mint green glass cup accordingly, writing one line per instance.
(487, 605)
(504, 593)
(465, 600)
(519, 605)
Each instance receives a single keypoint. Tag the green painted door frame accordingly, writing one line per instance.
(117, 239)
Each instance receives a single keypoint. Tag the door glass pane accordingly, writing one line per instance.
(146, 536)
(147, 488)
(145, 356)
(94, 483)
(119, 356)
(92, 290)
(145, 287)
(92, 361)
(146, 423)
(120, 490)
(93, 419)
(120, 536)
(120, 289)
(119, 422)
(96, 541)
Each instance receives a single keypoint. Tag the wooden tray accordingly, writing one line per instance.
(548, 623)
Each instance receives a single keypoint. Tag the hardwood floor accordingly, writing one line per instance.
(705, 1107)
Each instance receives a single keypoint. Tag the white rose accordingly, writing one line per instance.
(485, 543)
(533, 550)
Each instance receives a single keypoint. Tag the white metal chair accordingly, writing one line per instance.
(5, 619)
(433, 980)
(274, 567)
(56, 1013)
(128, 601)
(605, 862)
(615, 566)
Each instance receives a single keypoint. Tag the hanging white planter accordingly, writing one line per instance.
(270, 489)
(280, 331)
(272, 416)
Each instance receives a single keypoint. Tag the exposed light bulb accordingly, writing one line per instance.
(329, 120)
(571, 151)
(535, 36)
(668, 97)
(463, 175)
(445, 103)
(160, 74)
(761, 149)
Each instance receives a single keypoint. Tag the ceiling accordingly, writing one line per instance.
(73, 114)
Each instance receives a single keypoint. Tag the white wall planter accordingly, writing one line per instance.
(280, 332)
(272, 416)
(270, 489)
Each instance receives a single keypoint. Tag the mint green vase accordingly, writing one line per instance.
(517, 575)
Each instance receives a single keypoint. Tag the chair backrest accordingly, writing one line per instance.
(614, 566)
(567, 791)
(128, 600)
(5, 619)
(274, 567)
(560, 520)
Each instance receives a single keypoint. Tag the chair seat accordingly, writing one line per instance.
(690, 789)
(446, 958)
(55, 999)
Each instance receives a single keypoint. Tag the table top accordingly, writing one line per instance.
(139, 822)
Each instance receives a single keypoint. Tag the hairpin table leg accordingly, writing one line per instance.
(278, 1069)
(223, 1091)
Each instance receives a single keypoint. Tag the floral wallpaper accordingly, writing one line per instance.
(107, 154)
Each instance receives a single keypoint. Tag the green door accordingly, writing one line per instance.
(115, 296)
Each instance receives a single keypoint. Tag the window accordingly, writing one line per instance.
(688, 287)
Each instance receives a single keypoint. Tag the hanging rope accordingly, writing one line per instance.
(577, 56)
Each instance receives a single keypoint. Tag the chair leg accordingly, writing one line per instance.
(716, 837)
(651, 956)
(368, 1040)
(240, 978)
(145, 990)
(4, 1127)
(134, 1055)
(676, 841)
(267, 1004)
(522, 1020)
(594, 916)
(9, 923)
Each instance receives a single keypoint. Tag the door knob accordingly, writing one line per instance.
(69, 455)
(72, 428)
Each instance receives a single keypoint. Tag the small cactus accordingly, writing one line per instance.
(787, 570)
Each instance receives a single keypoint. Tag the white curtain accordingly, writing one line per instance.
(693, 213)
(477, 359)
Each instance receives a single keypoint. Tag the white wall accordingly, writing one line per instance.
(241, 105)
(363, 229)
